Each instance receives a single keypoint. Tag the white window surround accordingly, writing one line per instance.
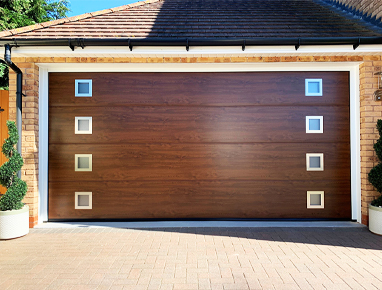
(77, 197)
(308, 166)
(314, 94)
(76, 162)
(351, 67)
(79, 94)
(308, 199)
(307, 122)
(76, 125)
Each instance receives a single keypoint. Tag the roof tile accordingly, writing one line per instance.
(80, 17)
(26, 28)
(101, 12)
(204, 19)
(5, 33)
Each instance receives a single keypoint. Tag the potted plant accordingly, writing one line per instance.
(14, 215)
(375, 178)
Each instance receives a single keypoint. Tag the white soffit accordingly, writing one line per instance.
(194, 51)
(196, 67)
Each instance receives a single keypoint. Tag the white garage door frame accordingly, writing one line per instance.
(351, 67)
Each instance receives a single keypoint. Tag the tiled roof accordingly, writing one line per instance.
(212, 19)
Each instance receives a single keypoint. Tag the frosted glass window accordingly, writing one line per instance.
(83, 200)
(83, 125)
(314, 124)
(313, 87)
(83, 88)
(83, 162)
(314, 161)
(315, 199)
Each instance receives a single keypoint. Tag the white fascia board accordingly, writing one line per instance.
(146, 51)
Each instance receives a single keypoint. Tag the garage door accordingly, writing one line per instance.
(199, 145)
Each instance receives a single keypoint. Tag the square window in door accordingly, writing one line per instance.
(315, 199)
(83, 162)
(83, 200)
(313, 87)
(315, 161)
(83, 88)
(314, 124)
(83, 125)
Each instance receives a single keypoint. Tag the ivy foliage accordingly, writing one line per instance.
(16, 188)
(19, 13)
(375, 174)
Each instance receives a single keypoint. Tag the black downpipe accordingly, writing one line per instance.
(19, 88)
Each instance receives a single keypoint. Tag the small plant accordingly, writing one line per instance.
(16, 188)
(375, 174)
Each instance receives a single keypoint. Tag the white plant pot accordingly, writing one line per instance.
(14, 223)
(375, 219)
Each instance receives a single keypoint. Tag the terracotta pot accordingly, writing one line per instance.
(375, 219)
(14, 223)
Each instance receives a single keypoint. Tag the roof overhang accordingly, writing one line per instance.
(81, 47)
(131, 42)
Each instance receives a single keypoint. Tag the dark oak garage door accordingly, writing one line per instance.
(199, 145)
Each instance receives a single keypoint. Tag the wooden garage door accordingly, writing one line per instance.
(199, 145)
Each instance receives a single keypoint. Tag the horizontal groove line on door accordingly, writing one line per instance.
(198, 180)
(194, 105)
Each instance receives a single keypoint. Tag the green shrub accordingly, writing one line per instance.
(16, 188)
(375, 174)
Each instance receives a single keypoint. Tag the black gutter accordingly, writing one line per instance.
(19, 88)
(187, 42)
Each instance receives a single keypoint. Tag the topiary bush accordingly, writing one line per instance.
(16, 188)
(375, 174)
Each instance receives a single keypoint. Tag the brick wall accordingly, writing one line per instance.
(370, 113)
(368, 8)
(29, 171)
(370, 110)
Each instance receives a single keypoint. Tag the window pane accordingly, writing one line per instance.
(83, 200)
(83, 88)
(314, 124)
(314, 87)
(83, 125)
(315, 199)
(314, 162)
(83, 162)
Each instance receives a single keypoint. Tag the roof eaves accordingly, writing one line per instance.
(29, 28)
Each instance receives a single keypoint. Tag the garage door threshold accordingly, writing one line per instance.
(203, 224)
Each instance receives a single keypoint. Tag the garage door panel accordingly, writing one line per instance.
(187, 199)
(258, 161)
(199, 124)
(212, 89)
(199, 145)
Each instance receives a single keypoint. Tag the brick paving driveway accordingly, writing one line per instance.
(193, 258)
